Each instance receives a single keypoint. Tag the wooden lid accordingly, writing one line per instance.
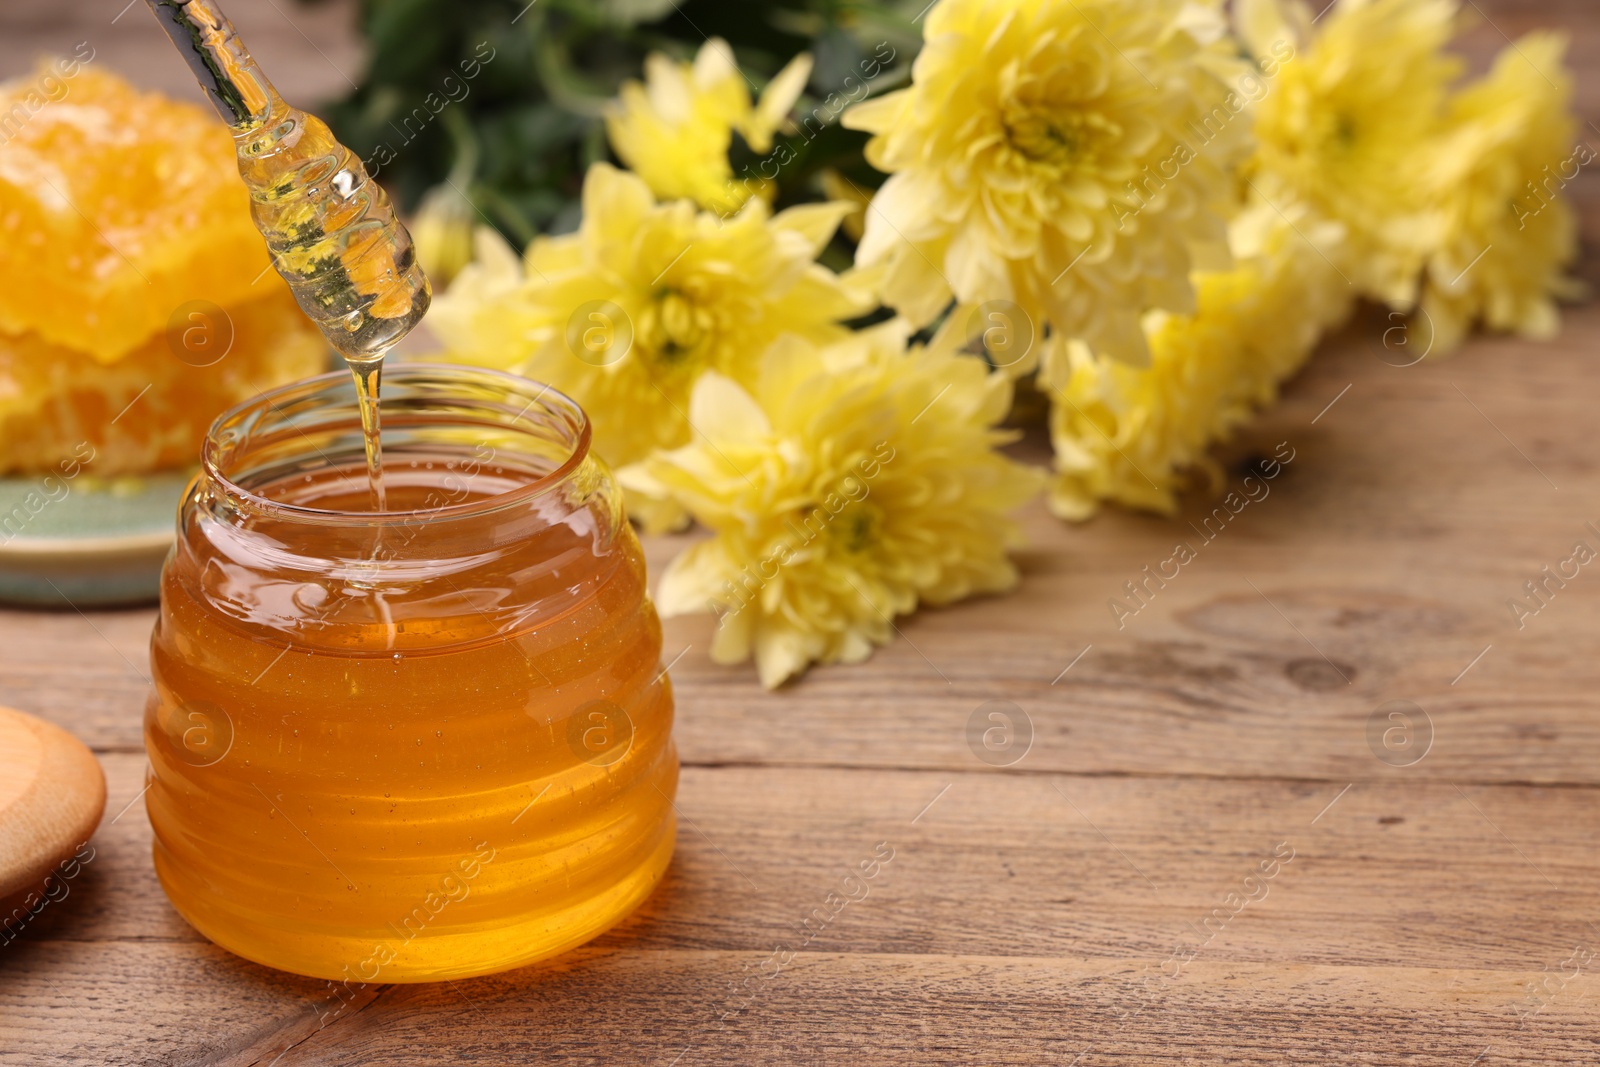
(52, 793)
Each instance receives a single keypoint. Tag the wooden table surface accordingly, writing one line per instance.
(1088, 903)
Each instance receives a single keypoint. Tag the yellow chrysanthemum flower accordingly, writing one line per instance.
(675, 129)
(1073, 158)
(442, 233)
(1351, 125)
(846, 487)
(628, 312)
(1131, 434)
(1510, 151)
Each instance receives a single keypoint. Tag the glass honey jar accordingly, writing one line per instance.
(423, 743)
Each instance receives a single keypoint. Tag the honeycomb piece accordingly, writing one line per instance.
(117, 206)
(150, 409)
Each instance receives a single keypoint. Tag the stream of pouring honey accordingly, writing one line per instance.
(332, 231)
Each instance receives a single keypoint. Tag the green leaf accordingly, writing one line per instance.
(532, 115)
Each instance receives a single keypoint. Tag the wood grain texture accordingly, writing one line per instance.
(1022, 918)
(1099, 901)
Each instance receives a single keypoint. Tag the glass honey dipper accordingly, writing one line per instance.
(332, 231)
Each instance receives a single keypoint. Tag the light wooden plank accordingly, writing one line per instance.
(995, 877)
(674, 1008)
(150, 1002)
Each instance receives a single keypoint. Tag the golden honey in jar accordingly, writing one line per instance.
(416, 744)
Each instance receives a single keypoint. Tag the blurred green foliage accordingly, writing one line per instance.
(505, 98)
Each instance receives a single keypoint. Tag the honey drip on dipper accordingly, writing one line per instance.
(332, 231)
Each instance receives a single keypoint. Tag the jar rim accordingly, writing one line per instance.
(552, 400)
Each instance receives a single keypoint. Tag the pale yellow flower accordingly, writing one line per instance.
(675, 129)
(1074, 158)
(835, 186)
(1510, 150)
(848, 485)
(1351, 124)
(442, 233)
(1134, 435)
(626, 314)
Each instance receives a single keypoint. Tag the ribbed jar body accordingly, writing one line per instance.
(422, 744)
